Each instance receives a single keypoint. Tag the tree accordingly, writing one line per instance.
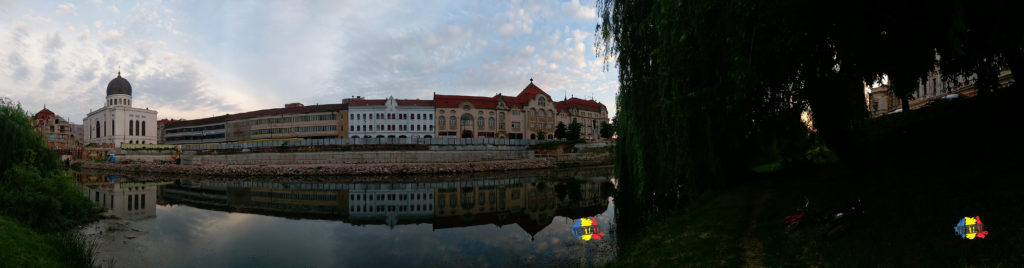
(573, 134)
(607, 130)
(560, 131)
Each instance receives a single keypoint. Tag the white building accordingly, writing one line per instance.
(390, 118)
(117, 121)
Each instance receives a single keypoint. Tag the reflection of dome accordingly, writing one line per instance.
(119, 86)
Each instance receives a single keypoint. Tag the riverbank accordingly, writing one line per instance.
(576, 160)
(21, 246)
(904, 209)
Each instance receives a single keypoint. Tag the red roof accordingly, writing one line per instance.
(455, 100)
(415, 103)
(44, 114)
(582, 104)
(529, 92)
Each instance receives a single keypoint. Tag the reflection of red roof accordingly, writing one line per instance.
(583, 104)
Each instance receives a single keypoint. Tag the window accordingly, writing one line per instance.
(143, 128)
(501, 116)
(490, 122)
(540, 100)
(465, 107)
(440, 122)
(480, 122)
(452, 121)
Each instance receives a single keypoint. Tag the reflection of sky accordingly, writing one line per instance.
(182, 236)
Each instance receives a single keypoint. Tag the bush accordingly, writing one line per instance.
(33, 188)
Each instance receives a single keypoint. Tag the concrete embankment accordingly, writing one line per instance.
(357, 157)
(328, 168)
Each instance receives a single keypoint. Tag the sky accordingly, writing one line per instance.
(196, 59)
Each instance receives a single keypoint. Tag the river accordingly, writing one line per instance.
(507, 219)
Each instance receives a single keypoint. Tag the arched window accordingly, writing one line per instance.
(540, 100)
(143, 128)
(452, 121)
(113, 130)
(131, 130)
(440, 122)
(501, 116)
(480, 121)
(490, 122)
(467, 120)
(97, 129)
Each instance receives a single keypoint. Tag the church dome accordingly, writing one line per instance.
(119, 86)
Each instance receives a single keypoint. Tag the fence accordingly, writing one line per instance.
(357, 141)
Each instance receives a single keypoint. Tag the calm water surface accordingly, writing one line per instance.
(496, 220)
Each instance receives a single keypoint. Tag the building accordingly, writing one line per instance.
(882, 101)
(117, 121)
(532, 114)
(390, 118)
(57, 132)
(194, 131)
(293, 121)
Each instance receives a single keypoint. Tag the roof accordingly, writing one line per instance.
(44, 114)
(529, 92)
(360, 102)
(291, 110)
(119, 85)
(258, 113)
(582, 104)
(455, 100)
(196, 122)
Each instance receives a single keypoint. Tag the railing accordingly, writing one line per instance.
(357, 141)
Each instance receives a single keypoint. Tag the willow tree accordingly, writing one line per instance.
(708, 85)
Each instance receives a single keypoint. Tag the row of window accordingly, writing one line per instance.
(292, 130)
(119, 102)
(195, 129)
(391, 128)
(419, 196)
(196, 137)
(403, 116)
(134, 128)
(290, 119)
(381, 208)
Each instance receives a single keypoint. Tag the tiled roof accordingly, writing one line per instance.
(529, 92)
(382, 102)
(415, 102)
(366, 102)
(44, 114)
(455, 100)
(582, 104)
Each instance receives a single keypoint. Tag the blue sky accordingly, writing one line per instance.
(194, 59)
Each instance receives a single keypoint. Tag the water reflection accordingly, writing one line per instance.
(485, 222)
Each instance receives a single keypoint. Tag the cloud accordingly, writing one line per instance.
(17, 63)
(67, 8)
(577, 11)
(111, 37)
(517, 22)
(54, 42)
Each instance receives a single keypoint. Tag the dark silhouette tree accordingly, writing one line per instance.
(607, 130)
(573, 134)
(560, 131)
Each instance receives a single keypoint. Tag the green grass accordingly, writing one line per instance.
(909, 221)
(23, 247)
(707, 234)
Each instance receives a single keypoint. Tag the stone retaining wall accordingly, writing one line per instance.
(357, 157)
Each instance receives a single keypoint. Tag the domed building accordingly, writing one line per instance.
(117, 122)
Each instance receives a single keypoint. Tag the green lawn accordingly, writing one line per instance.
(909, 222)
(22, 247)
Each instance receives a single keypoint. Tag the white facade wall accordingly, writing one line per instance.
(116, 123)
(391, 121)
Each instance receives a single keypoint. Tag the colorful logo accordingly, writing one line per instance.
(970, 227)
(586, 228)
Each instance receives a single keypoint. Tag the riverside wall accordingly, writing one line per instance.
(352, 157)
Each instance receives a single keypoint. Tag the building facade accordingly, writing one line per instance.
(390, 118)
(882, 101)
(117, 121)
(57, 132)
(532, 114)
(293, 121)
(204, 130)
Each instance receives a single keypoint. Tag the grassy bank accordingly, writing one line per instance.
(23, 247)
(908, 222)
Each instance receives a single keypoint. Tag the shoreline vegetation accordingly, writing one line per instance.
(40, 205)
(576, 160)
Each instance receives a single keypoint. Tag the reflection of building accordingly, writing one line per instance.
(57, 132)
(529, 203)
(132, 201)
(531, 113)
(117, 121)
(390, 118)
